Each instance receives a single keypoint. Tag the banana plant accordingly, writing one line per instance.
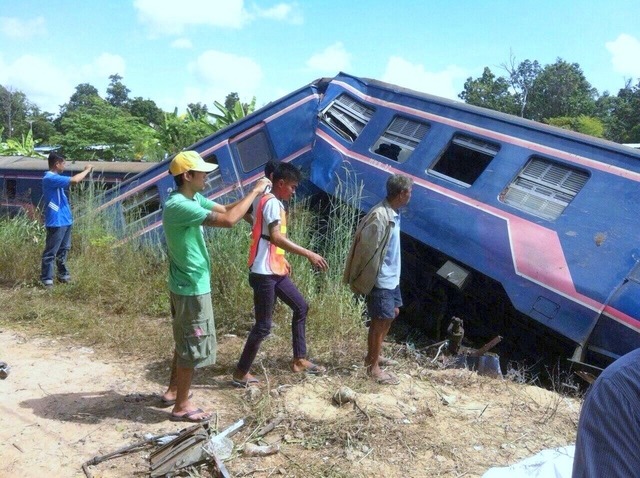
(229, 116)
(24, 147)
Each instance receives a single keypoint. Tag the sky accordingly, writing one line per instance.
(189, 51)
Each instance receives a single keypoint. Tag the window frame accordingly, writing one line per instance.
(476, 146)
(533, 183)
(396, 134)
(139, 202)
(241, 153)
(346, 120)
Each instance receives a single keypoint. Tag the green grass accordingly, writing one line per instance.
(119, 296)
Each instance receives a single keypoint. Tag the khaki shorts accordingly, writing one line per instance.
(194, 330)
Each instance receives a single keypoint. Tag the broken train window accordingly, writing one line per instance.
(400, 139)
(544, 188)
(347, 117)
(465, 159)
(140, 206)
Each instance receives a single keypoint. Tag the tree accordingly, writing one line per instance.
(117, 93)
(230, 100)
(180, 131)
(40, 124)
(489, 92)
(147, 111)
(198, 110)
(13, 111)
(560, 89)
(13, 147)
(83, 96)
(582, 124)
(624, 123)
(521, 78)
(102, 130)
(229, 116)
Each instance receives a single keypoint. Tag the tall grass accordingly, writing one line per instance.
(22, 242)
(119, 294)
(334, 320)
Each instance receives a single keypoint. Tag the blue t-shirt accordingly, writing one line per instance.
(57, 212)
(609, 426)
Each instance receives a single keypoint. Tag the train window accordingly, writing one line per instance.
(400, 139)
(254, 151)
(347, 117)
(11, 188)
(140, 206)
(544, 188)
(214, 180)
(465, 159)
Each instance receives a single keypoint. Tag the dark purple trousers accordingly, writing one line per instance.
(266, 288)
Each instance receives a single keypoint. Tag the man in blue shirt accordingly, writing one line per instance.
(57, 218)
(609, 426)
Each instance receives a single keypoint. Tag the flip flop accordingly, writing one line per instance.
(387, 379)
(188, 416)
(167, 403)
(312, 369)
(245, 383)
(387, 362)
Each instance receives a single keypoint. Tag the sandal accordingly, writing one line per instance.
(189, 416)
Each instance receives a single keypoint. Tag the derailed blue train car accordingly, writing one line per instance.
(21, 179)
(513, 226)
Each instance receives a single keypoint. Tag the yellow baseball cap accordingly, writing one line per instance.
(189, 161)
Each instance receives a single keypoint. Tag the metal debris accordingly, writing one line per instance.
(4, 370)
(455, 334)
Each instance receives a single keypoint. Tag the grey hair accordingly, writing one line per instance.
(398, 183)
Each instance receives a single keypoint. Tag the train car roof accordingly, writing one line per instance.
(496, 115)
(25, 163)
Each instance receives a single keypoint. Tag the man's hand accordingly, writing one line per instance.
(261, 185)
(88, 167)
(318, 261)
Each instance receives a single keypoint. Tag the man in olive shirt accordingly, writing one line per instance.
(184, 214)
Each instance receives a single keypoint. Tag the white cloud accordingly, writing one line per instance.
(49, 84)
(103, 66)
(43, 82)
(625, 55)
(22, 29)
(215, 74)
(332, 59)
(285, 12)
(182, 44)
(409, 75)
(170, 17)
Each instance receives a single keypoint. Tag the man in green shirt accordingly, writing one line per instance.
(185, 213)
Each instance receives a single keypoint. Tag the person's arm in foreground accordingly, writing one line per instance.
(228, 216)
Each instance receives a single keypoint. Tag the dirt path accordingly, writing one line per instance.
(61, 405)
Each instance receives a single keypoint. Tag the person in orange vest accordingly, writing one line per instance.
(269, 276)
